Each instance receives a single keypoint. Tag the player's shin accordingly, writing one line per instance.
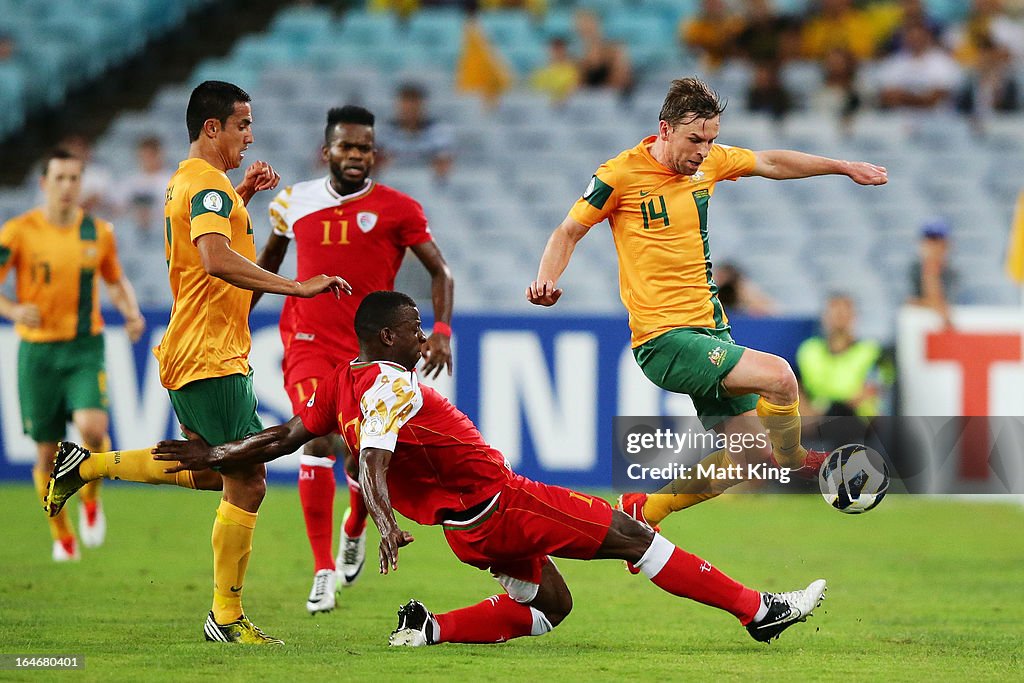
(495, 620)
(316, 494)
(678, 572)
(783, 425)
(683, 493)
(232, 545)
(60, 529)
(90, 493)
(135, 465)
(355, 524)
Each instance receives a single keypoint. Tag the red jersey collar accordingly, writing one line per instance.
(342, 198)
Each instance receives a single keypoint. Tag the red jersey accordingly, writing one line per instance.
(360, 236)
(441, 463)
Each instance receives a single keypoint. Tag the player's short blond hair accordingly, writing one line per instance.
(689, 99)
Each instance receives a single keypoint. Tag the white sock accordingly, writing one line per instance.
(762, 611)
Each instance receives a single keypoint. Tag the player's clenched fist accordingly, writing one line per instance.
(543, 293)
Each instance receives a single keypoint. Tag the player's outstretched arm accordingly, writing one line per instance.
(270, 259)
(258, 177)
(373, 473)
(544, 290)
(784, 164)
(438, 353)
(196, 454)
(221, 261)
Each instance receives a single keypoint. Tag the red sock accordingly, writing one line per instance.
(495, 620)
(68, 542)
(680, 573)
(355, 525)
(316, 492)
(91, 507)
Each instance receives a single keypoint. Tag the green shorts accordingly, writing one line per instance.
(219, 409)
(694, 361)
(57, 378)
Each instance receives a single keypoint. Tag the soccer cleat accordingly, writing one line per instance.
(351, 554)
(321, 597)
(242, 631)
(416, 626)
(633, 505)
(64, 480)
(66, 550)
(812, 463)
(92, 531)
(786, 609)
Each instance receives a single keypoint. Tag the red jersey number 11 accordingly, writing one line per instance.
(342, 232)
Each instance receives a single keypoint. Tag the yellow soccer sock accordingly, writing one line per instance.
(232, 544)
(783, 425)
(137, 465)
(90, 493)
(683, 493)
(59, 526)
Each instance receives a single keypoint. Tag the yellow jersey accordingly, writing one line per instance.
(659, 222)
(56, 268)
(208, 334)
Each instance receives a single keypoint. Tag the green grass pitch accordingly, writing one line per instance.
(918, 589)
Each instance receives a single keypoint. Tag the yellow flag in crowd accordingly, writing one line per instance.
(481, 68)
(1015, 252)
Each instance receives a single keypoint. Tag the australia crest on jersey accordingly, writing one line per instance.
(717, 356)
(366, 220)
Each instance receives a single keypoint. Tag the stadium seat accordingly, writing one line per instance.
(507, 28)
(436, 27)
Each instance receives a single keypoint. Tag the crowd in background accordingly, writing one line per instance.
(886, 54)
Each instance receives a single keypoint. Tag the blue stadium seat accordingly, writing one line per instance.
(369, 30)
(301, 25)
(508, 28)
(436, 27)
(558, 22)
(636, 27)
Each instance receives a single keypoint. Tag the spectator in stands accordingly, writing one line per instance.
(839, 96)
(910, 12)
(97, 180)
(739, 294)
(602, 63)
(838, 25)
(931, 277)
(767, 35)
(987, 22)
(920, 76)
(838, 372)
(711, 33)
(991, 84)
(144, 192)
(767, 93)
(558, 78)
(411, 138)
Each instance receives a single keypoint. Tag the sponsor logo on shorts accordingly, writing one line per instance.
(717, 356)
(311, 401)
(304, 336)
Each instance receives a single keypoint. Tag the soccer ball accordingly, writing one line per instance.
(853, 478)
